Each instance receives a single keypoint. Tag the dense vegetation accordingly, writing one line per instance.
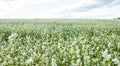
(58, 42)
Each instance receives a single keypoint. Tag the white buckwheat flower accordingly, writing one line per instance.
(30, 60)
(78, 62)
(106, 55)
(53, 63)
(13, 35)
(4, 63)
(116, 60)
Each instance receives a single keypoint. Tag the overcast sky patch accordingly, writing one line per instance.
(59, 8)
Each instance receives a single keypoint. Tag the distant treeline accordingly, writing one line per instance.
(117, 18)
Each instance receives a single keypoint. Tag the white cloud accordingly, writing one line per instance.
(8, 6)
(101, 12)
(13, 8)
(81, 3)
(108, 10)
(115, 2)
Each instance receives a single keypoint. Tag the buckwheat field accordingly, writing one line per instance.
(59, 42)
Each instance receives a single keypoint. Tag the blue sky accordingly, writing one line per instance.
(59, 8)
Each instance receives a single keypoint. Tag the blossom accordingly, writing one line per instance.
(30, 60)
(78, 62)
(4, 63)
(77, 50)
(119, 45)
(13, 35)
(95, 59)
(106, 55)
(116, 60)
(53, 63)
(73, 62)
(110, 44)
(71, 50)
(43, 47)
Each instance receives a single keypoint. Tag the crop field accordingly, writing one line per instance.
(59, 42)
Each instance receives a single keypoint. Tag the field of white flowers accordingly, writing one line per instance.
(60, 42)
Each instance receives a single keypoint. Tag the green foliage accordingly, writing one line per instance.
(60, 42)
